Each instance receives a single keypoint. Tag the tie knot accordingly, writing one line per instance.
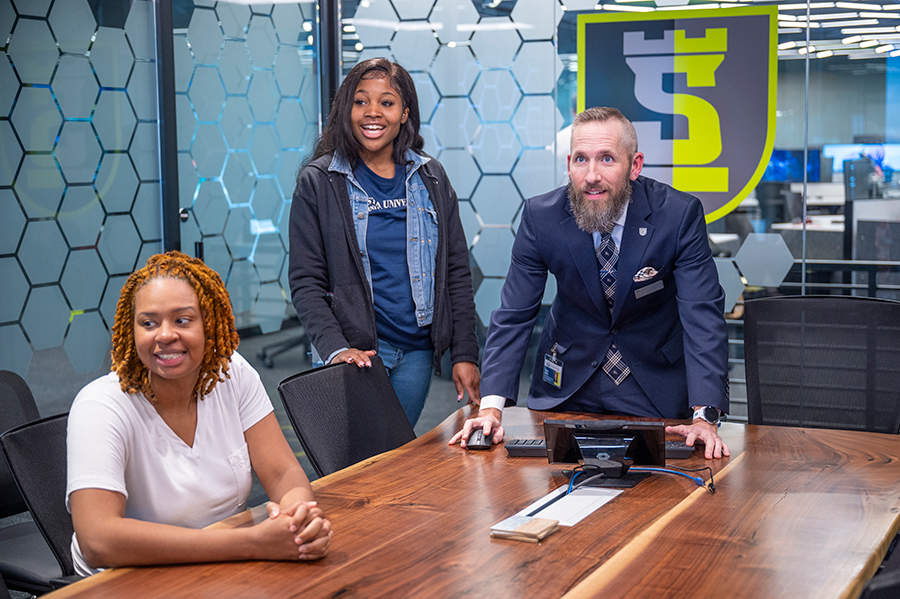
(606, 251)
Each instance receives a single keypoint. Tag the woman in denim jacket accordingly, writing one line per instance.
(378, 258)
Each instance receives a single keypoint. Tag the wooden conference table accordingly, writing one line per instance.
(797, 513)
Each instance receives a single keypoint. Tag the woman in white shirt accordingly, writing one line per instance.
(163, 445)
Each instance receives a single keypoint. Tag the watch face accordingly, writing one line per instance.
(711, 414)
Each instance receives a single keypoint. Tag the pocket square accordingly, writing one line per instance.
(645, 274)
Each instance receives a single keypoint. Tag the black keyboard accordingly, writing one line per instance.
(536, 448)
(678, 450)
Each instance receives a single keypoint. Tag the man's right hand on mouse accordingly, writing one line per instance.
(488, 419)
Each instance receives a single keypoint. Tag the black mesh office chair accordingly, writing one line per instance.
(343, 414)
(883, 586)
(823, 362)
(36, 453)
(26, 562)
(4, 592)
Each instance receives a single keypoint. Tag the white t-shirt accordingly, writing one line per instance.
(118, 442)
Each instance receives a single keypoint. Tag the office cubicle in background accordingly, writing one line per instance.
(79, 170)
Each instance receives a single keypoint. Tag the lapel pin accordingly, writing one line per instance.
(642, 231)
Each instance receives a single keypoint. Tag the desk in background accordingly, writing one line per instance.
(797, 513)
(824, 237)
(821, 195)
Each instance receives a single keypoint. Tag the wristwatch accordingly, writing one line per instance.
(708, 414)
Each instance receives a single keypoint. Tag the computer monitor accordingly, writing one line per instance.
(612, 446)
(787, 166)
(886, 156)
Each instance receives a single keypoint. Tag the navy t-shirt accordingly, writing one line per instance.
(395, 310)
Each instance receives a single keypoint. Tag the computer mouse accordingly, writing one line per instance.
(478, 440)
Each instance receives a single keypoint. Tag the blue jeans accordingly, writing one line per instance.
(410, 372)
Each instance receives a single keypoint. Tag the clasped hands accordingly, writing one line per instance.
(308, 531)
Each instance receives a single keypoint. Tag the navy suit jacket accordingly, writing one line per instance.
(669, 328)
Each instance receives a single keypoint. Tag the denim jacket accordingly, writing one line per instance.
(421, 231)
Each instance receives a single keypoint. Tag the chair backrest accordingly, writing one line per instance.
(16, 407)
(823, 362)
(36, 453)
(882, 586)
(343, 414)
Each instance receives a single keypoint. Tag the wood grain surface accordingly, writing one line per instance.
(797, 513)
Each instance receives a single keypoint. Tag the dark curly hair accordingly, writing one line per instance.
(337, 135)
(218, 322)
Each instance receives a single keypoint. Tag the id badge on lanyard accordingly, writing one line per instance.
(553, 368)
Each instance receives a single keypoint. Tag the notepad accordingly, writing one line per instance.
(570, 509)
(524, 528)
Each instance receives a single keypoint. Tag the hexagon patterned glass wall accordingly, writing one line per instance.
(248, 114)
(486, 82)
(78, 129)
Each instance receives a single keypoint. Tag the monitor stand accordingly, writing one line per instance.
(627, 481)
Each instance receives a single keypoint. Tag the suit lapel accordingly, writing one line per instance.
(581, 249)
(635, 239)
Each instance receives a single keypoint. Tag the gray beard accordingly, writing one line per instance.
(591, 216)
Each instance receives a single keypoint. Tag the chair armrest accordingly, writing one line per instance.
(62, 581)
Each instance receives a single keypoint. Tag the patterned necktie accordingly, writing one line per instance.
(607, 256)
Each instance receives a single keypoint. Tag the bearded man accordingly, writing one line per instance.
(636, 327)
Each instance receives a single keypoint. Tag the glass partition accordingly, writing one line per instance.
(79, 177)
(247, 114)
(498, 82)
(79, 168)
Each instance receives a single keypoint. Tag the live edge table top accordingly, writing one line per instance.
(796, 513)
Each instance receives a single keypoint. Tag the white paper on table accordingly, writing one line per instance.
(573, 508)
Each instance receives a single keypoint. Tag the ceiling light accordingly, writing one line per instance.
(852, 39)
(806, 49)
(787, 45)
(824, 54)
(894, 54)
(800, 24)
(883, 49)
(868, 43)
(854, 23)
(689, 7)
(812, 6)
(625, 8)
(878, 15)
(855, 6)
(830, 16)
(787, 18)
(872, 30)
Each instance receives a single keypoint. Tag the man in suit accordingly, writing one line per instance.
(636, 327)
